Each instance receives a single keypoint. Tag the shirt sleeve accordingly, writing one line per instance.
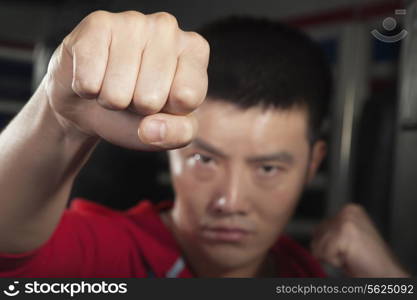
(83, 245)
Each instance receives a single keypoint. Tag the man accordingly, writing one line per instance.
(133, 80)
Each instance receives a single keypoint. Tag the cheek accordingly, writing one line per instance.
(191, 200)
(276, 204)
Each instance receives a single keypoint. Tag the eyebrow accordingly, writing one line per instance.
(207, 147)
(283, 156)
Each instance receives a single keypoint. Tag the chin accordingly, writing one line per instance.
(228, 256)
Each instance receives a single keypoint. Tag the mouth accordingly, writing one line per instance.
(225, 234)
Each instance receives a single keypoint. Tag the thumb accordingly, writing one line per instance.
(127, 129)
(166, 131)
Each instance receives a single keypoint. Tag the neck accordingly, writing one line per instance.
(263, 267)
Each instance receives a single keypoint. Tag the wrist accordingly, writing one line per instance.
(55, 122)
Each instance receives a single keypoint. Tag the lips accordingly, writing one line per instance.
(225, 234)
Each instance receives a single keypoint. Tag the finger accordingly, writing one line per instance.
(189, 87)
(333, 251)
(158, 65)
(330, 250)
(124, 60)
(88, 46)
(167, 131)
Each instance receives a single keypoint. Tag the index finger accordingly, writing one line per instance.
(88, 45)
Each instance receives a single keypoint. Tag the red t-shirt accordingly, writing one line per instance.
(92, 240)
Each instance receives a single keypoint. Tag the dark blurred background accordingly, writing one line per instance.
(372, 127)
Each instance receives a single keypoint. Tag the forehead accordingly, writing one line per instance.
(254, 130)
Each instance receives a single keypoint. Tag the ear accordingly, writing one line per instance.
(318, 153)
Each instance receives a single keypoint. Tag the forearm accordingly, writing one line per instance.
(145, 94)
(38, 163)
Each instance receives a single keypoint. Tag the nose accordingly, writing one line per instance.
(232, 196)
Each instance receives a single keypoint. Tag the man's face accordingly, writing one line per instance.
(238, 182)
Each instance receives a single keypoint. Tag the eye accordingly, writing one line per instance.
(201, 158)
(269, 170)
(203, 167)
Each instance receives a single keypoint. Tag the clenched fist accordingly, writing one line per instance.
(130, 78)
(350, 241)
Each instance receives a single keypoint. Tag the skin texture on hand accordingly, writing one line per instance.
(350, 241)
(130, 78)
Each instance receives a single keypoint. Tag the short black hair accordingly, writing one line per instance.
(258, 62)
